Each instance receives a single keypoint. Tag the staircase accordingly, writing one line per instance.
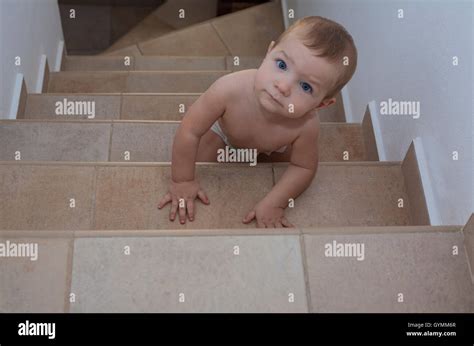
(85, 188)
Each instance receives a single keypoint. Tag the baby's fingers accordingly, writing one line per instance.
(190, 206)
(165, 200)
(174, 208)
(182, 210)
(203, 197)
(286, 223)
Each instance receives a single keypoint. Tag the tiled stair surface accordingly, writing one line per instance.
(225, 35)
(36, 195)
(239, 271)
(145, 141)
(82, 264)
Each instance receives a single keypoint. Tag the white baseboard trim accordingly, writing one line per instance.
(41, 69)
(284, 10)
(15, 102)
(433, 211)
(374, 116)
(346, 103)
(59, 56)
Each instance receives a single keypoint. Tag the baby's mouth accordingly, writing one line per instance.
(274, 99)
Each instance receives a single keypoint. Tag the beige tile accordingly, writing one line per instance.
(244, 62)
(233, 192)
(38, 197)
(199, 39)
(98, 63)
(421, 266)
(87, 82)
(132, 50)
(35, 285)
(146, 142)
(334, 112)
(127, 197)
(180, 63)
(416, 194)
(468, 232)
(172, 82)
(50, 141)
(336, 139)
(351, 195)
(262, 23)
(43, 106)
(204, 269)
(369, 137)
(155, 107)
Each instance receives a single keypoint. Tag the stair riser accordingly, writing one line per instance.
(131, 107)
(121, 82)
(132, 63)
(145, 142)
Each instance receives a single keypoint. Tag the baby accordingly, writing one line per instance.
(271, 110)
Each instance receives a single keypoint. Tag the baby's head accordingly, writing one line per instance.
(306, 67)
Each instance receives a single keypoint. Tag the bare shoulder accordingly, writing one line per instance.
(311, 126)
(231, 84)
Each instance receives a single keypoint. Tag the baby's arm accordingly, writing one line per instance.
(196, 122)
(269, 212)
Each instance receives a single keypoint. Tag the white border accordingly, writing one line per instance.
(284, 10)
(41, 70)
(59, 56)
(15, 97)
(433, 211)
(374, 116)
(346, 104)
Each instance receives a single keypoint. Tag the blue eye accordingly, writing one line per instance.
(279, 61)
(306, 89)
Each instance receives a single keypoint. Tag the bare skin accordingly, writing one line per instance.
(253, 108)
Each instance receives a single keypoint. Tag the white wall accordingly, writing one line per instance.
(410, 59)
(29, 29)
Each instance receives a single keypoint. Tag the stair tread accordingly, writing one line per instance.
(124, 196)
(261, 278)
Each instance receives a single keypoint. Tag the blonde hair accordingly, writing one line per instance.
(332, 41)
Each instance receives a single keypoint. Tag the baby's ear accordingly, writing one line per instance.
(326, 102)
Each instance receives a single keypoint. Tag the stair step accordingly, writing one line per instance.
(149, 141)
(132, 81)
(149, 106)
(420, 266)
(226, 35)
(36, 195)
(157, 63)
(272, 266)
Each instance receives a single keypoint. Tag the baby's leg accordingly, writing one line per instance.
(208, 146)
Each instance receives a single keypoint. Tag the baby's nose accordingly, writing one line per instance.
(283, 87)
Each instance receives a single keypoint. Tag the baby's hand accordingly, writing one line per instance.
(182, 195)
(268, 216)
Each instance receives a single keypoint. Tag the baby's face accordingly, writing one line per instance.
(298, 78)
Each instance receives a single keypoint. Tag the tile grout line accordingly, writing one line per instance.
(305, 274)
(70, 259)
(222, 40)
(94, 193)
(109, 151)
